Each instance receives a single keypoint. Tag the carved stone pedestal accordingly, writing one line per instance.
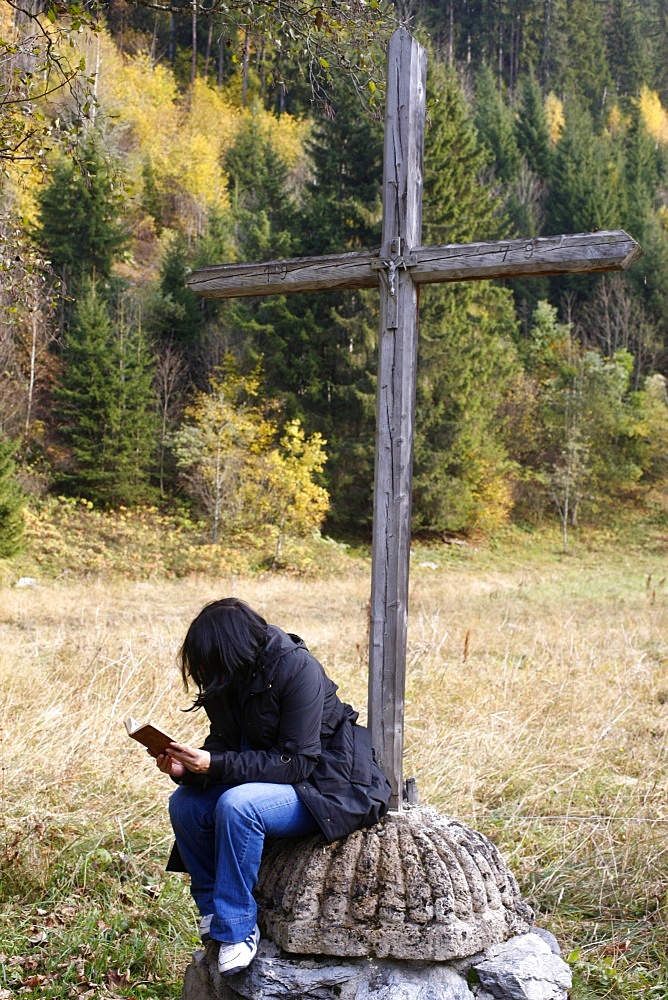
(419, 907)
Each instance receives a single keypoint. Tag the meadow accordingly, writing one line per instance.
(537, 712)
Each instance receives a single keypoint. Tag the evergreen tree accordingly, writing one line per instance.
(176, 314)
(78, 219)
(626, 50)
(466, 354)
(643, 176)
(104, 405)
(586, 190)
(455, 210)
(11, 503)
(494, 121)
(261, 203)
(343, 209)
(581, 66)
(318, 351)
(531, 129)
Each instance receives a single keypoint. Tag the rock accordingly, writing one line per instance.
(523, 968)
(549, 939)
(418, 908)
(26, 581)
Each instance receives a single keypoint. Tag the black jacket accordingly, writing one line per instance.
(288, 726)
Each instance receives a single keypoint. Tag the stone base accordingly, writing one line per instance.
(419, 886)
(526, 967)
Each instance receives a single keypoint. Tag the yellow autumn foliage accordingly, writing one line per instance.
(235, 469)
(7, 23)
(663, 217)
(616, 120)
(654, 115)
(554, 112)
(183, 135)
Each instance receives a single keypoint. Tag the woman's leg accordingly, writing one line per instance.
(193, 815)
(244, 815)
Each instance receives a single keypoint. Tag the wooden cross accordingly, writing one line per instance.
(399, 268)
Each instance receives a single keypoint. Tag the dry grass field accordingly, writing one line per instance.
(536, 711)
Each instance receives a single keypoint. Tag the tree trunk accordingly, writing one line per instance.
(193, 67)
(451, 34)
(33, 359)
(244, 78)
(220, 59)
(209, 39)
(216, 498)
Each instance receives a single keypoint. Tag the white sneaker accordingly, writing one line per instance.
(205, 927)
(235, 957)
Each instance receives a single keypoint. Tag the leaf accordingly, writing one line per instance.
(117, 978)
(33, 981)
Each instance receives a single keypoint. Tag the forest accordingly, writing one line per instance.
(138, 143)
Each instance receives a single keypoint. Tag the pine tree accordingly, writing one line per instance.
(343, 210)
(104, 405)
(455, 160)
(586, 191)
(531, 129)
(78, 219)
(494, 121)
(11, 503)
(176, 314)
(262, 206)
(318, 351)
(466, 352)
(626, 51)
(643, 174)
(579, 55)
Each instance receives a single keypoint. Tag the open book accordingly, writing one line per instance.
(150, 736)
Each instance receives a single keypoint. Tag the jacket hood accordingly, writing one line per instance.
(278, 645)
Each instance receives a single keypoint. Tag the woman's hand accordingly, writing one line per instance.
(180, 755)
(169, 766)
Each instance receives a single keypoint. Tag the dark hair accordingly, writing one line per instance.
(221, 646)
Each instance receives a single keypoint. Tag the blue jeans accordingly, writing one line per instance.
(220, 833)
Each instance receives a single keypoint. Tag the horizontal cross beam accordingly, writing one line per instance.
(612, 250)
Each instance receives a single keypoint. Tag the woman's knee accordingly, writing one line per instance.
(181, 803)
(237, 804)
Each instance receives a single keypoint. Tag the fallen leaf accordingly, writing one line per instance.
(117, 978)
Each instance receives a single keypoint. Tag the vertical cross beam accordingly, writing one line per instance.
(397, 366)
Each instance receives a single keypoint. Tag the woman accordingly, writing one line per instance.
(284, 758)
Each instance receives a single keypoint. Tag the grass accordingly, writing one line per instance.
(536, 711)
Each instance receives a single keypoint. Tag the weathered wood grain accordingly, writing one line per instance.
(395, 406)
(613, 250)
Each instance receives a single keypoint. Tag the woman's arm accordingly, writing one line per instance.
(298, 732)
